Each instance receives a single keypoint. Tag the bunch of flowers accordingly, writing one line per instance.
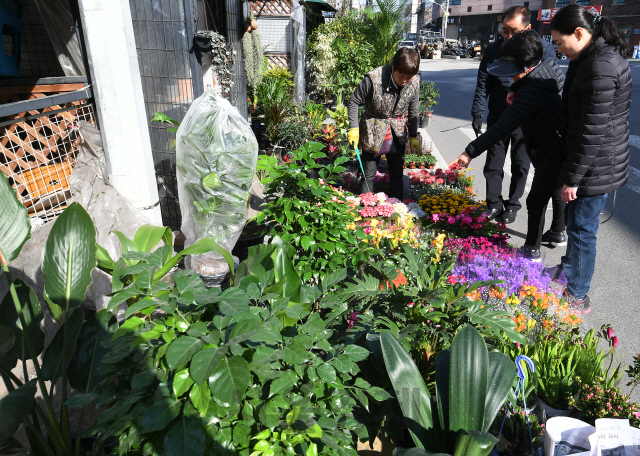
(597, 401)
(447, 204)
(350, 180)
(529, 294)
(453, 178)
(469, 247)
(385, 219)
(381, 181)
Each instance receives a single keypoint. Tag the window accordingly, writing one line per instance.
(489, 8)
(583, 2)
(526, 4)
(561, 3)
(454, 2)
(625, 30)
(468, 9)
(618, 1)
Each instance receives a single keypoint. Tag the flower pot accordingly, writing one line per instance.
(412, 165)
(202, 43)
(422, 165)
(431, 166)
(424, 122)
(546, 411)
(254, 24)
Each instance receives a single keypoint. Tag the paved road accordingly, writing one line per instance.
(615, 288)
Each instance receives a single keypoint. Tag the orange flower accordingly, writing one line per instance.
(400, 280)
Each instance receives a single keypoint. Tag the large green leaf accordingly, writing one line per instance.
(15, 407)
(410, 389)
(90, 350)
(185, 438)
(474, 443)
(7, 338)
(230, 380)
(502, 373)
(15, 228)
(415, 452)
(446, 438)
(468, 380)
(32, 315)
(69, 258)
(495, 322)
(181, 350)
(205, 362)
(259, 261)
(147, 237)
(58, 355)
(159, 414)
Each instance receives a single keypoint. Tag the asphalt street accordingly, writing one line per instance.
(615, 289)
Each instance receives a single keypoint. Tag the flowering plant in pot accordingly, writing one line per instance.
(411, 160)
(430, 161)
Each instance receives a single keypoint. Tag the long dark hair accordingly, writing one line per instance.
(573, 16)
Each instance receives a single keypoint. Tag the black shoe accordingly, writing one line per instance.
(530, 253)
(577, 305)
(491, 214)
(556, 238)
(508, 216)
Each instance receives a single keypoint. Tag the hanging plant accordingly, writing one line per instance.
(222, 60)
(253, 57)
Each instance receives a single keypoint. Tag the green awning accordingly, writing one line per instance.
(322, 5)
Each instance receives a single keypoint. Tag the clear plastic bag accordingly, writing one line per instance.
(299, 22)
(90, 187)
(216, 155)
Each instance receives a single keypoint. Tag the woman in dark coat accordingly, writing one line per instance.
(536, 105)
(596, 102)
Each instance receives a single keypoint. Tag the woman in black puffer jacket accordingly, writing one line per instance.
(536, 105)
(596, 101)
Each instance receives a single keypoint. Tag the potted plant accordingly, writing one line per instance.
(421, 162)
(430, 161)
(428, 96)
(410, 160)
(471, 384)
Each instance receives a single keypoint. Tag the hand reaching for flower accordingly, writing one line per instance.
(463, 160)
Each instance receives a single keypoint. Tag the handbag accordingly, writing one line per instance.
(387, 147)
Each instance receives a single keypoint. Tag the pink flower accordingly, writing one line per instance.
(435, 217)
(411, 304)
(451, 220)
(610, 333)
(614, 341)
(518, 344)
(636, 414)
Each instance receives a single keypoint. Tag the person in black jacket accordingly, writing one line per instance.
(596, 102)
(536, 105)
(495, 89)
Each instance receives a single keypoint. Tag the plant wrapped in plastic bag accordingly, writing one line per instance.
(216, 154)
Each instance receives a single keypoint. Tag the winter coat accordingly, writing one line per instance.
(596, 102)
(496, 88)
(537, 107)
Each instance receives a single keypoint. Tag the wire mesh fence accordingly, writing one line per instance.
(38, 153)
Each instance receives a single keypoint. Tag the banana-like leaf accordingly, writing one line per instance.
(258, 263)
(15, 228)
(104, 259)
(7, 338)
(31, 314)
(60, 351)
(69, 258)
(147, 237)
(468, 381)
(446, 437)
(502, 373)
(410, 389)
(202, 246)
(89, 351)
(15, 407)
(474, 443)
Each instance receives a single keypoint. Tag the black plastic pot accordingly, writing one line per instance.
(241, 250)
(202, 43)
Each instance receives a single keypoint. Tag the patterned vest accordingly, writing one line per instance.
(380, 112)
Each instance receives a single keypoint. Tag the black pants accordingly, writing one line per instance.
(537, 207)
(396, 175)
(494, 170)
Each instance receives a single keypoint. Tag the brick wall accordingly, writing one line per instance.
(625, 15)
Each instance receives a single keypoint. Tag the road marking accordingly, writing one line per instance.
(634, 180)
(634, 141)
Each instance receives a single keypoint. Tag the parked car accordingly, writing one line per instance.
(409, 44)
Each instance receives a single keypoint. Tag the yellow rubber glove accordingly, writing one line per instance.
(414, 146)
(353, 136)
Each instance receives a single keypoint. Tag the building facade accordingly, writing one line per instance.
(478, 20)
(625, 14)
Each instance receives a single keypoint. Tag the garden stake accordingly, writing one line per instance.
(522, 376)
(362, 168)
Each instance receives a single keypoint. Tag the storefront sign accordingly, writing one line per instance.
(636, 31)
(546, 15)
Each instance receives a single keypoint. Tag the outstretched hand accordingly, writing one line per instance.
(463, 160)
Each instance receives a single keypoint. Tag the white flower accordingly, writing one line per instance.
(400, 208)
(416, 212)
(382, 197)
(414, 206)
